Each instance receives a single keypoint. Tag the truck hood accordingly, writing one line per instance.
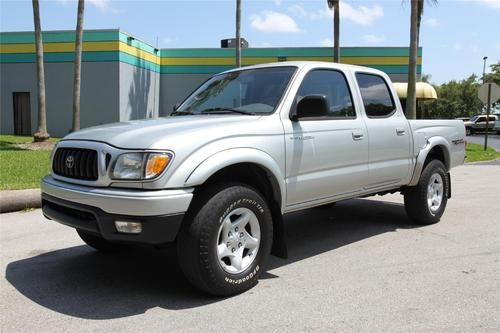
(149, 133)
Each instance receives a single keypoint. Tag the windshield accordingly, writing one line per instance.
(473, 119)
(252, 91)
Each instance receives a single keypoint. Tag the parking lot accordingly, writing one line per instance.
(493, 140)
(357, 266)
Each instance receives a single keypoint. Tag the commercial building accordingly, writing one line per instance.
(125, 78)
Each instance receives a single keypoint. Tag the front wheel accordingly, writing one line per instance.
(225, 240)
(468, 131)
(425, 203)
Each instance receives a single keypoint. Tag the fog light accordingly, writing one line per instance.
(128, 227)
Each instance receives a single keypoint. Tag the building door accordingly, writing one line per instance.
(22, 113)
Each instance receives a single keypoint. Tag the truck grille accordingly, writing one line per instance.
(76, 163)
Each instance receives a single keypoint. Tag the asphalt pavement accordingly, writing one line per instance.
(493, 140)
(358, 266)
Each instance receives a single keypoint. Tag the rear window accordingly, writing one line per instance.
(376, 96)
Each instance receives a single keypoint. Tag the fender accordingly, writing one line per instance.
(233, 156)
(422, 156)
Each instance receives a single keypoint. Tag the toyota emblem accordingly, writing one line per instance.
(70, 161)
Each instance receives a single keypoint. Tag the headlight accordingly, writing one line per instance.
(136, 166)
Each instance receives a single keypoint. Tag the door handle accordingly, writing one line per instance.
(357, 136)
(400, 132)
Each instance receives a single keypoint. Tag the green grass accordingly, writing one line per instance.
(476, 153)
(21, 168)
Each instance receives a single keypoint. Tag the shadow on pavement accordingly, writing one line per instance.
(80, 282)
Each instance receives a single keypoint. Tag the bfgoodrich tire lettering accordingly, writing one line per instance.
(200, 238)
(425, 203)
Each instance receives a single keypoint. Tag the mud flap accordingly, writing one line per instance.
(279, 248)
(448, 179)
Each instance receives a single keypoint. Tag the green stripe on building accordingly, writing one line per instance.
(58, 36)
(290, 52)
(166, 69)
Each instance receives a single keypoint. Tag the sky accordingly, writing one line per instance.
(455, 34)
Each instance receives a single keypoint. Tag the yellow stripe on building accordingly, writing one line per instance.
(178, 61)
(139, 53)
(59, 47)
(261, 60)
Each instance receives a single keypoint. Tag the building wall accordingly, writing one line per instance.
(99, 95)
(139, 92)
(124, 78)
(176, 87)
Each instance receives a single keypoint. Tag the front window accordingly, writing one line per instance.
(252, 91)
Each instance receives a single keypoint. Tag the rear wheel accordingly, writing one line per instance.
(425, 203)
(100, 244)
(225, 240)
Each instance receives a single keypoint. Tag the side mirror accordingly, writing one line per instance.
(310, 106)
(176, 106)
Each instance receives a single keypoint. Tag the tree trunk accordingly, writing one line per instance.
(411, 101)
(41, 133)
(336, 32)
(78, 66)
(238, 36)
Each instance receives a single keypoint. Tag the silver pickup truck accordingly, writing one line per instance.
(246, 147)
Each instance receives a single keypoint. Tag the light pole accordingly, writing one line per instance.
(484, 67)
(487, 109)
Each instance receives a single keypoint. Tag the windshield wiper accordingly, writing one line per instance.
(227, 110)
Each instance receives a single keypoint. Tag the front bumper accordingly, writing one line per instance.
(95, 210)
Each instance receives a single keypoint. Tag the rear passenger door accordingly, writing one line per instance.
(388, 133)
(327, 156)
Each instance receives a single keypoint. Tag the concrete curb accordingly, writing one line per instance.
(11, 201)
(488, 162)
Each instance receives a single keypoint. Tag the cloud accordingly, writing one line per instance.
(168, 40)
(327, 42)
(102, 5)
(372, 39)
(490, 3)
(277, 2)
(432, 22)
(269, 21)
(362, 15)
(262, 44)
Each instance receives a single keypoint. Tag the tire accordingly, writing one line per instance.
(209, 245)
(425, 203)
(469, 131)
(100, 244)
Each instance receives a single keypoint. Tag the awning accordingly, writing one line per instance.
(424, 90)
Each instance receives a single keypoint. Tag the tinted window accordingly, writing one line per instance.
(333, 85)
(376, 96)
(253, 90)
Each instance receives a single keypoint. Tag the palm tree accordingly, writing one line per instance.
(78, 66)
(336, 28)
(417, 10)
(41, 133)
(238, 36)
